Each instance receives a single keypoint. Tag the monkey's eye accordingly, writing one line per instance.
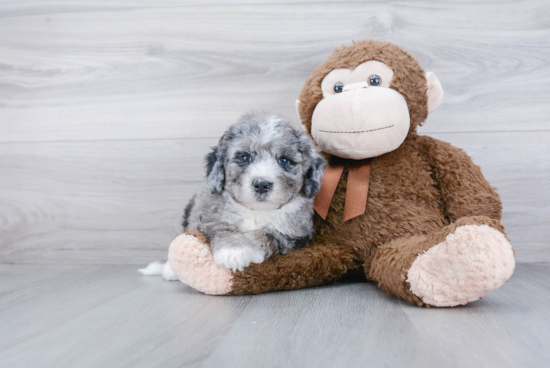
(374, 80)
(283, 161)
(338, 87)
(246, 159)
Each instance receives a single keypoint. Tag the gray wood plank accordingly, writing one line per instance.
(337, 326)
(107, 109)
(98, 202)
(103, 311)
(122, 202)
(21, 280)
(91, 316)
(87, 71)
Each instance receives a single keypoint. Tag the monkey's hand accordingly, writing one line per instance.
(191, 260)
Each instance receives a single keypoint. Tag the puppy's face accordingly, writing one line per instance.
(264, 170)
(264, 163)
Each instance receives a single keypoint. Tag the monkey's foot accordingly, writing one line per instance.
(192, 261)
(472, 261)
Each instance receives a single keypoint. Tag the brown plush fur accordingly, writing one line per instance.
(413, 197)
(392, 261)
(311, 266)
(418, 194)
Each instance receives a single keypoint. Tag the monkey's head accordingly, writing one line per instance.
(365, 99)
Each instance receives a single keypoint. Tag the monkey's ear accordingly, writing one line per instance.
(435, 92)
(298, 113)
(215, 172)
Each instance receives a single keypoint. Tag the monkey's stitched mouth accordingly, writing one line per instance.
(355, 131)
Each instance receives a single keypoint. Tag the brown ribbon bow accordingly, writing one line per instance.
(357, 187)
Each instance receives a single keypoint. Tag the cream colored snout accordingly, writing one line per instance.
(361, 122)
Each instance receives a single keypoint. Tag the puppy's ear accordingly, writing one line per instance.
(215, 172)
(314, 169)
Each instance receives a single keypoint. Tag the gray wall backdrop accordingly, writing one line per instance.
(106, 110)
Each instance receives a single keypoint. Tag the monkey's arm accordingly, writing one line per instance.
(464, 189)
(306, 267)
(191, 259)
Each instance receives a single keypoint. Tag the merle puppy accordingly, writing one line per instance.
(260, 185)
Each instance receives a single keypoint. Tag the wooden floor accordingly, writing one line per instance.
(109, 316)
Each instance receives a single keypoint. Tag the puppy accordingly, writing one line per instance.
(257, 201)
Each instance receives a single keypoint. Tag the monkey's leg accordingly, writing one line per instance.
(190, 258)
(453, 266)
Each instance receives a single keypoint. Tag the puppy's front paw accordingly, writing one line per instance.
(237, 258)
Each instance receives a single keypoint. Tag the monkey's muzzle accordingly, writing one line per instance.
(361, 122)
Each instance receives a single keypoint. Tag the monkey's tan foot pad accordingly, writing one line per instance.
(192, 261)
(472, 261)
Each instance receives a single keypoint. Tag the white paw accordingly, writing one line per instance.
(168, 274)
(159, 268)
(237, 258)
(153, 268)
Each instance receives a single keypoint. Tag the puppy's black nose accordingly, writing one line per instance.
(262, 186)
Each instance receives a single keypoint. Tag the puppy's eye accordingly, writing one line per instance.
(338, 87)
(374, 80)
(283, 161)
(246, 159)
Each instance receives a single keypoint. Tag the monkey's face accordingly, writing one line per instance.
(359, 115)
(366, 99)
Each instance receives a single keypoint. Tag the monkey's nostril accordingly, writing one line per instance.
(262, 186)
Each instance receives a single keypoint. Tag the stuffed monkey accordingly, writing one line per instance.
(413, 213)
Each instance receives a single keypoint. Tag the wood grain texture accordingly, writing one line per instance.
(122, 202)
(98, 202)
(94, 71)
(106, 110)
(92, 316)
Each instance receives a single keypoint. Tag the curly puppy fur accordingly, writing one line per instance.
(261, 180)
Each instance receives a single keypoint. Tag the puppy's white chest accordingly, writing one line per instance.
(251, 220)
(256, 220)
